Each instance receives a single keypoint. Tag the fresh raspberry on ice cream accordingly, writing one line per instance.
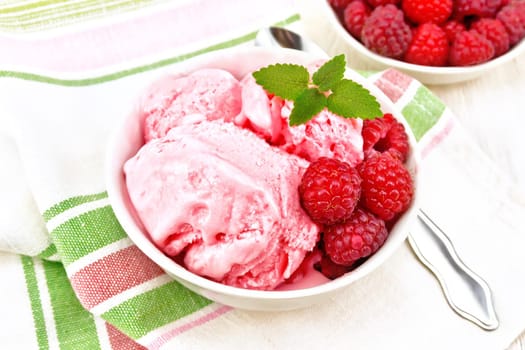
(387, 186)
(385, 134)
(358, 237)
(329, 190)
(330, 269)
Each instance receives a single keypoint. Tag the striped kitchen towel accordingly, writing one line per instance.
(72, 278)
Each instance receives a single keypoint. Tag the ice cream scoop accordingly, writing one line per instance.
(224, 201)
(208, 94)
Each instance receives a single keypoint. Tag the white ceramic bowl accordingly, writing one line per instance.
(324, 27)
(127, 139)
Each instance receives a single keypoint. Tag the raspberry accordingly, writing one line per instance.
(385, 32)
(470, 48)
(513, 18)
(393, 28)
(358, 237)
(429, 46)
(376, 3)
(423, 11)
(330, 269)
(354, 17)
(385, 134)
(387, 186)
(495, 31)
(339, 5)
(478, 8)
(452, 28)
(329, 190)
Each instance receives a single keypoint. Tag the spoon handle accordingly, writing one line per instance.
(466, 292)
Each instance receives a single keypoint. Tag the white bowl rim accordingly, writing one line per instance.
(149, 249)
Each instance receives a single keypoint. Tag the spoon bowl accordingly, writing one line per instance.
(281, 37)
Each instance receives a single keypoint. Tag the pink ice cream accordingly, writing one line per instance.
(325, 135)
(260, 113)
(211, 94)
(216, 183)
(227, 200)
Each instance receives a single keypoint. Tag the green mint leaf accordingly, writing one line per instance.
(306, 105)
(330, 73)
(351, 100)
(284, 80)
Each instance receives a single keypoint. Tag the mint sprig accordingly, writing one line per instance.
(351, 100)
(309, 103)
(330, 73)
(284, 80)
(326, 88)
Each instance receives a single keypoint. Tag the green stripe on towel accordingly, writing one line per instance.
(67, 7)
(423, 111)
(49, 251)
(86, 233)
(29, 6)
(36, 305)
(81, 13)
(75, 327)
(42, 15)
(71, 203)
(140, 69)
(154, 309)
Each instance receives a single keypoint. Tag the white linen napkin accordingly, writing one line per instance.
(106, 294)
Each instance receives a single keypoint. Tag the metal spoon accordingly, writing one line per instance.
(467, 293)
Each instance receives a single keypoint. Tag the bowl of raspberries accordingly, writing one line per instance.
(435, 41)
